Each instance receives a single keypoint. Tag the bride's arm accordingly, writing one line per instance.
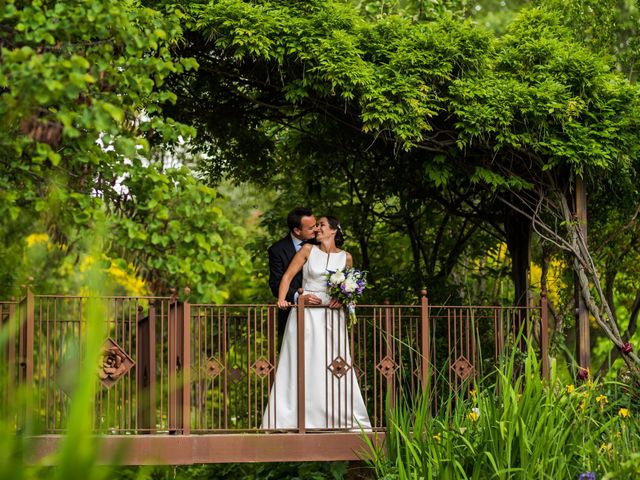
(294, 267)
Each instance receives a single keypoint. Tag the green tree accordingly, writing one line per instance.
(447, 112)
(82, 85)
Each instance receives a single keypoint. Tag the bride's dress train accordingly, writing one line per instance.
(333, 399)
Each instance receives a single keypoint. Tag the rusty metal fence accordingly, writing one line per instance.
(179, 368)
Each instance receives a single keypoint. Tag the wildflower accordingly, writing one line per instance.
(602, 400)
(587, 476)
(37, 238)
(624, 412)
(437, 437)
(606, 448)
(570, 388)
(583, 374)
(474, 415)
(626, 348)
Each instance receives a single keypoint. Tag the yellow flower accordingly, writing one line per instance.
(606, 447)
(570, 388)
(602, 400)
(473, 415)
(624, 412)
(37, 238)
(437, 437)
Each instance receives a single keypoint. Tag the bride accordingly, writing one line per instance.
(332, 396)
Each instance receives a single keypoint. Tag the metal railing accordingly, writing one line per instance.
(172, 367)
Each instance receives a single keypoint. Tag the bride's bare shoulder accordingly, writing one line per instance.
(349, 258)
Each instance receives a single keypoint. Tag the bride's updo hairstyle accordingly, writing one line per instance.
(334, 223)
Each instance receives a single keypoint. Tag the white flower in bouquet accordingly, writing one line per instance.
(350, 285)
(337, 277)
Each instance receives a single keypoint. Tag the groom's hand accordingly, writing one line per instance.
(283, 304)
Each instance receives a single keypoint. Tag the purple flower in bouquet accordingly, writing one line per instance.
(347, 286)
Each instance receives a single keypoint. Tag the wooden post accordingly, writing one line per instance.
(25, 345)
(583, 346)
(179, 366)
(10, 355)
(146, 367)
(301, 376)
(426, 341)
(544, 334)
(25, 354)
(186, 364)
(174, 364)
(388, 340)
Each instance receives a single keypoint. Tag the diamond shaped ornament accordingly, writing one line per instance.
(387, 367)
(339, 367)
(114, 363)
(462, 368)
(235, 373)
(213, 367)
(262, 367)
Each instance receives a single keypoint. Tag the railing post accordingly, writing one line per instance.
(426, 344)
(146, 367)
(389, 353)
(186, 364)
(8, 326)
(25, 344)
(174, 363)
(301, 367)
(25, 352)
(179, 365)
(544, 333)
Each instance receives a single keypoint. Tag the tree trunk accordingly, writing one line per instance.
(518, 236)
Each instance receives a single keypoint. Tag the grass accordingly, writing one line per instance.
(516, 427)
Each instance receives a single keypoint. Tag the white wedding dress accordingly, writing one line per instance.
(332, 396)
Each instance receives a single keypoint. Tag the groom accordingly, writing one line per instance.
(302, 229)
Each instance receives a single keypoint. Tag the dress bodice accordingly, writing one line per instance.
(319, 263)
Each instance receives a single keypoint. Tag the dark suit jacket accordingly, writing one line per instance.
(280, 255)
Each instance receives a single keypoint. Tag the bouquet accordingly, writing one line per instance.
(347, 286)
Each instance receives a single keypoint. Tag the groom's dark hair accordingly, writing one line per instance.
(295, 217)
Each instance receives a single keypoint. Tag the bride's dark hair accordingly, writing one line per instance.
(334, 223)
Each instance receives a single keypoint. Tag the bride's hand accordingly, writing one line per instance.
(312, 299)
(335, 303)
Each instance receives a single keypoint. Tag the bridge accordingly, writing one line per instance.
(183, 383)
